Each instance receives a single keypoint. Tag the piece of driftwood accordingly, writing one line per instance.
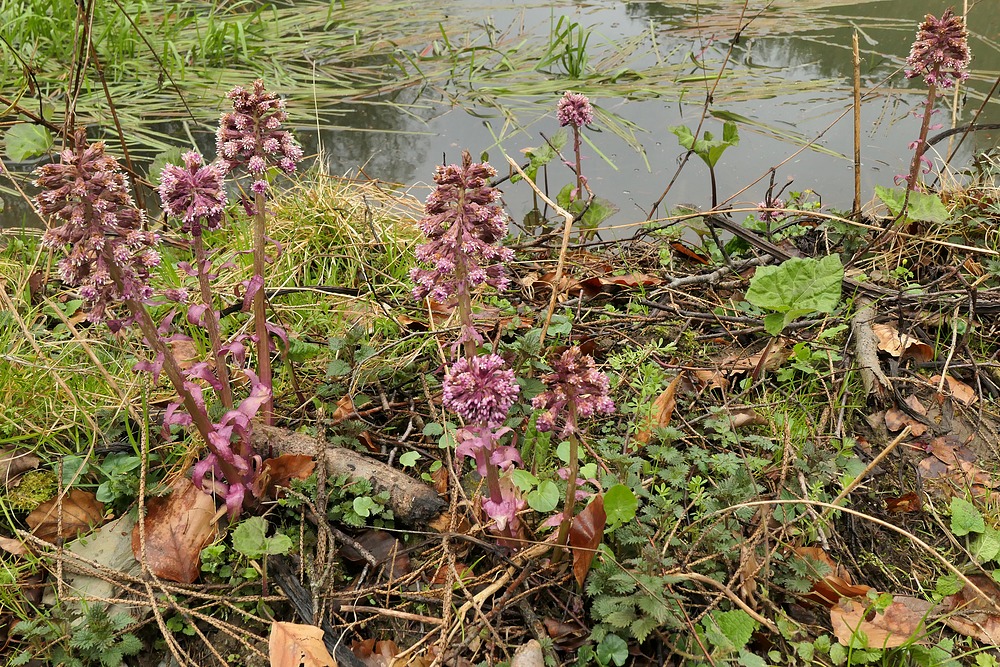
(413, 503)
(875, 381)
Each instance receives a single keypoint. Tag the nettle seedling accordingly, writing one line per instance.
(800, 286)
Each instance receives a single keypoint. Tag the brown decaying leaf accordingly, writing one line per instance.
(901, 345)
(383, 546)
(585, 535)
(908, 502)
(827, 590)
(662, 410)
(777, 354)
(902, 622)
(13, 464)
(375, 653)
(344, 410)
(960, 391)
(296, 645)
(280, 471)
(969, 614)
(14, 547)
(738, 418)
(80, 513)
(568, 635)
(178, 527)
(897, 420)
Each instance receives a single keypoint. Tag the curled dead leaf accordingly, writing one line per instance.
(901, 345)
(177, 527)
(661, 412)
(585, 535)
(971, 615)
(279, 472)
(902, 622)
(831, 587)
(80, 513)
(960, 391)
(14, 463)
(297, 645)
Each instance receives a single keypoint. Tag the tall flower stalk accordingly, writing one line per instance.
(250, 137)
(576, 389)
(464, 225)
(93, 215)
(575, 110)
(941, 55)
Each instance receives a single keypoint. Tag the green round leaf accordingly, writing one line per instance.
(620, 504)
(408, 459)
(27, 140)
(545, 498)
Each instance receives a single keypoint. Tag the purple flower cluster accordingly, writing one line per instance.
(463, 225)
(771, 216)
(251, 136)
(111, 255)
(941, 52)
(195, 193)
(480, 390)
(575, 389)
(574, 109)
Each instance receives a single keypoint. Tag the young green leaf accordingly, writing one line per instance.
(545, 498)
(620, 505)
(27, 140)
(797, 287)
(965, 518)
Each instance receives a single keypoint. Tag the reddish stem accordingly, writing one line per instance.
(259, 308)
(212, 323)
(918, 152)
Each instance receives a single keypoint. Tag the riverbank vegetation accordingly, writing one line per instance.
(730, 436)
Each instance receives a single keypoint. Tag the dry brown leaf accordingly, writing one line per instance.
(345, 410)
(902, 622)
(297, 645)
(178, 527)
(711, 379)
(777, 354)
(13, 464)
(830, 588)
(901, 345)
(969, 614)
(662, 411)
(14, 547)
(279, 472)
(908, 502)
(568, 635)
(383, 546)
(186, 353)
(80, 513)
(960, 391)
(375, 653)
(897, 420)
(585, 535)
(745, 417)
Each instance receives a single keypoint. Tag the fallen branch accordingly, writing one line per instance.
(412, 502)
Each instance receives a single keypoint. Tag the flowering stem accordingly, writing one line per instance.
(574, 469)
(918, 152)
(170, 366)
(259, 310)
(579, 166)
(212, 322)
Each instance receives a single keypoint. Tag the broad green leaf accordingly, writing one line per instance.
(729, 630)
(364, 506)
(612, 649)
(965, 518)
(921, 206)
(433, 428)
(545, 498)
(986, 546)
(709, 149)
(249, 538)
(523, 479)
(927, 208)
(27, 140)
(620, 505)
(408, 459)
(278, 544)
(797, 287)
(173, 155)
(948, 584)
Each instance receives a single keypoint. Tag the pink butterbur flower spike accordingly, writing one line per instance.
(464, 225)
(196, 194)
(941, 55)
(88, 204)
(575, 389)
(575, 110)
(250, 137)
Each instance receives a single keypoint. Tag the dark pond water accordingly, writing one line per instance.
(789, 74)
